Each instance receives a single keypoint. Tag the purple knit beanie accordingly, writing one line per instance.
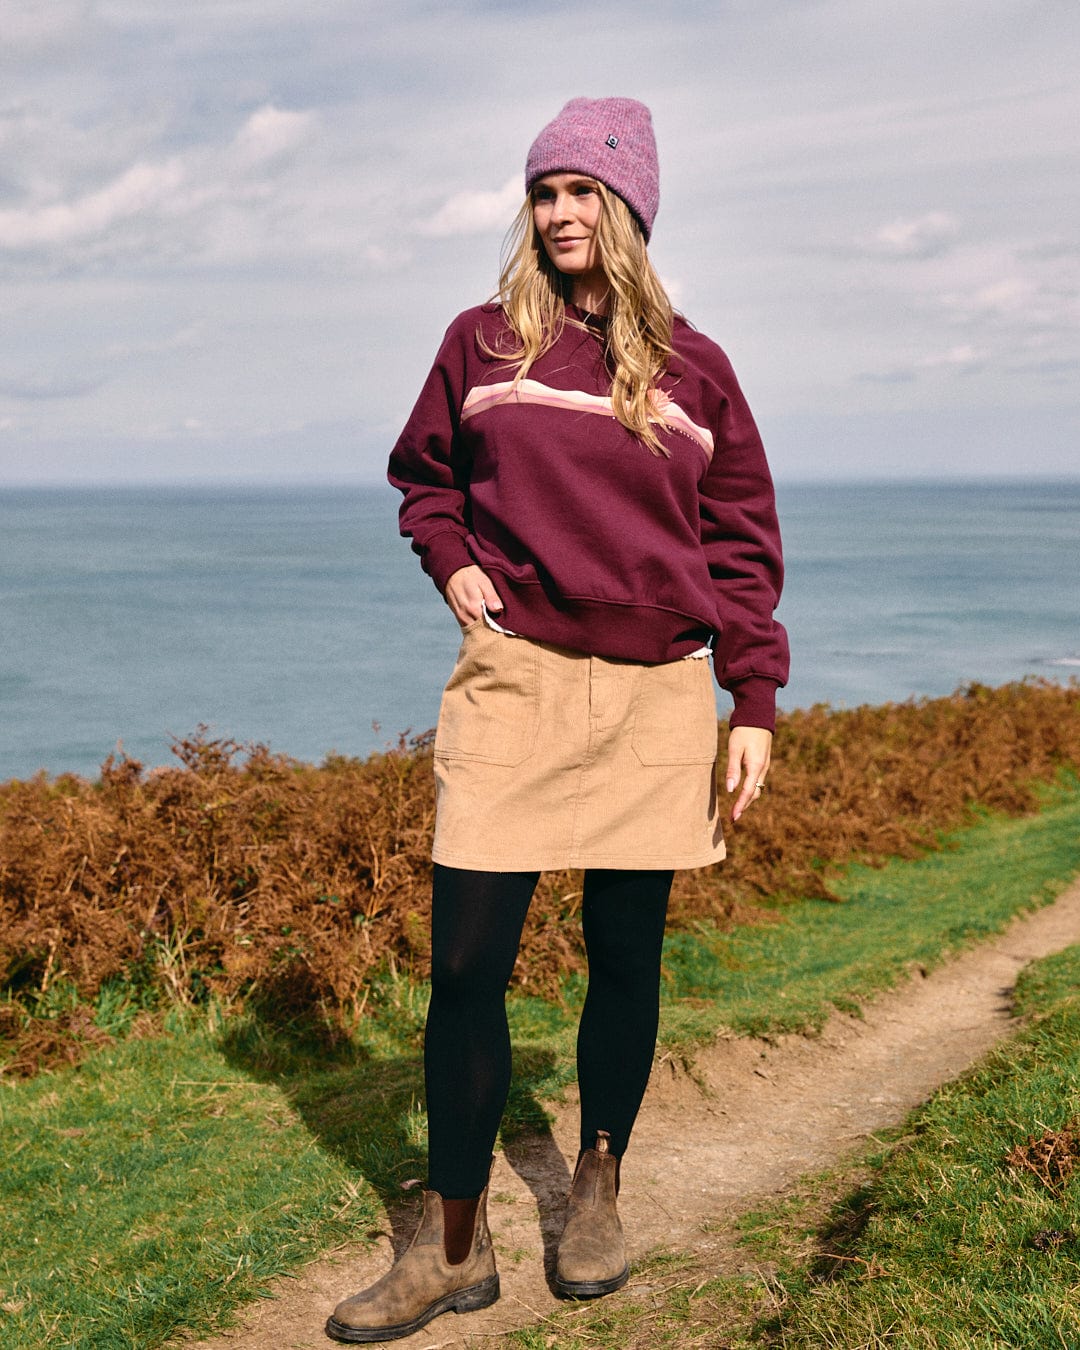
(610, 139)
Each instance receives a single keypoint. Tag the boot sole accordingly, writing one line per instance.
(591, 1288)
(477, 1296)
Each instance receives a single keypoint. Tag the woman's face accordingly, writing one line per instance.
(566, 212)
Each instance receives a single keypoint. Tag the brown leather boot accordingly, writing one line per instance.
(422, 1284)
(592, 1251)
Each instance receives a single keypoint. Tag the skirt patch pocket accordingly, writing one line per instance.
(675, 718)
(490, 708)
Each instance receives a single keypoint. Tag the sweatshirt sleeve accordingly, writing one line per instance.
(741, 538)
(428, 467)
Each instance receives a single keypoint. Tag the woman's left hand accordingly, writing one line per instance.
(749, 753)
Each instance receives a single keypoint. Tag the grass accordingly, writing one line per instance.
(819, 956)
(936, 1236)
(950, 1246)
(153, 1187)
(164, 1181)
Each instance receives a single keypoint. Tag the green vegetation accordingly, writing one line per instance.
(152, 1188)
(970, 1234)
(817, 956)
(163, 1181)
(960, 1232)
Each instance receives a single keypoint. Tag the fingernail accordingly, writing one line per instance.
(731, 784)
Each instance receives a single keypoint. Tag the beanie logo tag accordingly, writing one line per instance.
(612, 142)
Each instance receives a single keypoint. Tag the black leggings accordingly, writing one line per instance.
(476, 925)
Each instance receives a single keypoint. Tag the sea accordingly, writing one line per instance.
(296, 617)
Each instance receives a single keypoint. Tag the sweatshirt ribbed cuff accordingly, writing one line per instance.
(755, 703)
(444, 555)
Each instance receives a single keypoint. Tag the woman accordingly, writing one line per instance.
(584, 483)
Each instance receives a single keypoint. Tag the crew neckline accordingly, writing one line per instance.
(586, 316)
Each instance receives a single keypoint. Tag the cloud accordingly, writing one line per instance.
(1053, 367)
(318, 188)
(143, 189)
(476, 212)
(1011, 295)
(1037, 302)
(37, 387)
(924, 236)
(382, 259)
(31, 28)
(978, 309)
(182, 339)
(897, 376)
(210, 200)
(271, 132)
(962, 357)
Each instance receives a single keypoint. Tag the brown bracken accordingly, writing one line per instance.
(1051, 1158)
(240, 870)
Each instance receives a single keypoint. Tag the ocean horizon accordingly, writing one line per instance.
(296, 616)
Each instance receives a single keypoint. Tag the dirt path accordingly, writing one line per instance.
(753, 1117)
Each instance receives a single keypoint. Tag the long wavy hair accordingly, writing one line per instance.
(533, 294)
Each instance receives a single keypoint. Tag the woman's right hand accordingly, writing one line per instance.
(468, 591)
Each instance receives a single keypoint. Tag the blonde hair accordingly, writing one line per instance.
(533, 294)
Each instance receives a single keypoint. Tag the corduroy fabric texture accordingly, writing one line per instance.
(607, 138)
(547, 758)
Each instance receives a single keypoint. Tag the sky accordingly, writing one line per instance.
(233, 232)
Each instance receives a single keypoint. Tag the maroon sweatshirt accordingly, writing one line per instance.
(593, 542)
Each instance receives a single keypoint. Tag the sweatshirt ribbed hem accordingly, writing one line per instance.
(626, 632)
(621, 632)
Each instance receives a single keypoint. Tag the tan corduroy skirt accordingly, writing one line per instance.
(547, 758)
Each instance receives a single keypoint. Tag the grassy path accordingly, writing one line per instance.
(751, 1118)
(958, 1231)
